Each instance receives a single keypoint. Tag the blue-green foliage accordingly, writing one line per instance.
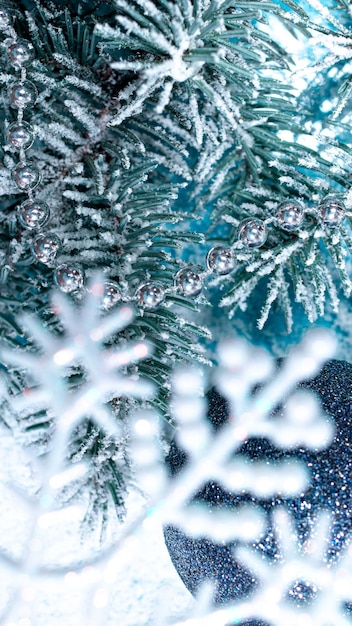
(154, 115)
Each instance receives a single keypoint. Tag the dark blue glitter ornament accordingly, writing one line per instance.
(197, 560)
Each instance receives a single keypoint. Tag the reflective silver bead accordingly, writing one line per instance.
(220, 260)
(69, 278)
(20, 53)
(188, 282)
(331, 211)
(5, 19)
(33, 214)
(20, 135)
(252, 232)
(150, 295)
(23, 94)
(111, 295)
(45, 247)
(290, 215)
(26, 175)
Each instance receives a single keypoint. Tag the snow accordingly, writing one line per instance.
(143, 582)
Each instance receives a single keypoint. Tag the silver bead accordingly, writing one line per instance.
(5, 19)
(220, 260)
(69, 278)
(45, 247)
(111, 295)
(331, 211)
(290, 215)
(33, 214)
(26, 175)
(188, 282)
(20, 53)
(150, 295)
(252, 232)
(20, 135)
(23, 94)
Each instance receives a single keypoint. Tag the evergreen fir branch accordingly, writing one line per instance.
(194, 54)
(274, 289)
(151, 115)
(285, 304)
(281, 169)
(310, 278)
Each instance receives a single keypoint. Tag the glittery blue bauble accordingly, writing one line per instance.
(330, 469)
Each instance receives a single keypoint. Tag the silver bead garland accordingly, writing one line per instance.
(111, 295)
(290, 215)
(45, 247)
(150, 295)
(188, 282)
(25, 175)
(23, 94)
(252, 232)
(20, 53)
(69, 278)
(220, 260)
(331, 211)
(20, 135)
(33, 214)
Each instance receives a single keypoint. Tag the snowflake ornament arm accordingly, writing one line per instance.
(83, 344)
(240, 369)
(301, 586)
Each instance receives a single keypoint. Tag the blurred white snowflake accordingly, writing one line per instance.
(95, 572)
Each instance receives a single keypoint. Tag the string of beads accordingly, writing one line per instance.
(33, 214)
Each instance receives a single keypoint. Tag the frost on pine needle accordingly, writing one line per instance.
(188, 50)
